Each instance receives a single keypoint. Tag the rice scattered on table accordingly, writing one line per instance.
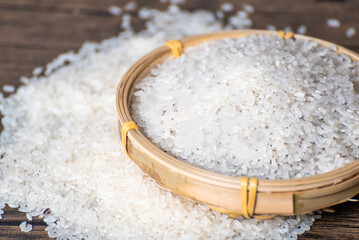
(61, 158)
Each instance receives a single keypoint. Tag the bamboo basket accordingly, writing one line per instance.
(229, 194)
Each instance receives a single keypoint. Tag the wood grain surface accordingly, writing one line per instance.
(33, 32)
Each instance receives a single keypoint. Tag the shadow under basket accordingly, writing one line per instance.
(231, 195)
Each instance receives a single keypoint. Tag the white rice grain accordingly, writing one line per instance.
(248, 8)
(130, 6)
(271, 27)
(288, 29)
(115, 10)
(226, 7)
(126, 22)
(8, 88)
(25, 227)
(332, 22)
(177, 1)
(37, 70)
(220, 14)
(350, 32)
(302, 29)
(239, 21)
(28, 216)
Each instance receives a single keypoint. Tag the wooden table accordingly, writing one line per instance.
(32, 32)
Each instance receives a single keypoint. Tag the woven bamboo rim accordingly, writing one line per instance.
(221, 192)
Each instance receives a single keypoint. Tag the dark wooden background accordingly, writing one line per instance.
(32, 32)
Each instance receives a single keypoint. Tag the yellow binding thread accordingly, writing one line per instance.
(281, 33)
(176, 47)
(244, 196)
(127, 126)
(289, 35)
(285, 35)
(264, 217)
(253, 183)
(222, 210)
(248, 201)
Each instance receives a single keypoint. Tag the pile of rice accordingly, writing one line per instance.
(61, 158)
(259, 106)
